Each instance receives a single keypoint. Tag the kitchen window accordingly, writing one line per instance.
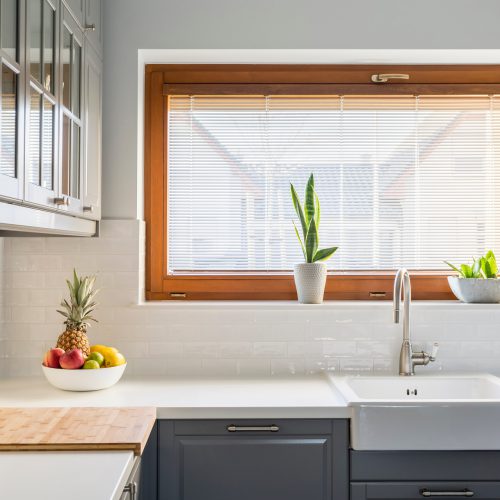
(408, 175)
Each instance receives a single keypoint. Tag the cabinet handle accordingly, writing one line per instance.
(89, 27)
(462, 493)
(132, 489)
(88, 208)
(61, 201)
(256, 428)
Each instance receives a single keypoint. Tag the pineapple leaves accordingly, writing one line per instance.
(309, 215)
(78, 310)
(485, 267)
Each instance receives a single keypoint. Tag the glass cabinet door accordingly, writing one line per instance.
(71, 135)
(41, 179)
(11, 172)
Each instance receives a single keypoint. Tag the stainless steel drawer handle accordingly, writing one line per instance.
(256, 428)
(462, 493)
(132, 489)
(60, 201)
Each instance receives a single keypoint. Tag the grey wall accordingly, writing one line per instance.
(130, 25)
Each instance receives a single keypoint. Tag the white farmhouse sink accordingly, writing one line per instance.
(442, 412)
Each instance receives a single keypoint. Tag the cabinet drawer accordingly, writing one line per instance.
(425, 489)
(425, 465)
(254, 427)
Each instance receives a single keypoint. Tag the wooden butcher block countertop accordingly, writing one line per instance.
(78, 429)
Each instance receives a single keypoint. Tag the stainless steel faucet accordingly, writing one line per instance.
(408, 359)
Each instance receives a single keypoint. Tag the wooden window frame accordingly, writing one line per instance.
(164, 80)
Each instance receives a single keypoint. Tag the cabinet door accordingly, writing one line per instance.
(11, 120)
(287, 464)
(41, 174)
(71, 148)
(93, 24)
(77, 9)
(93, 135)
(421, 490)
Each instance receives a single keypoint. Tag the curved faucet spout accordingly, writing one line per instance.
(407, 359)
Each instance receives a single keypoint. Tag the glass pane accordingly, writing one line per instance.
(402, 180)
(66, 152)
(66, 67)
(9, 122)
(9, 27)
(75, 78)
(48, 47)
(48, 145)
(34, 138)
(35, 16)
(75, 162)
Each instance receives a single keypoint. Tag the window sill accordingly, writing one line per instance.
(289, 305)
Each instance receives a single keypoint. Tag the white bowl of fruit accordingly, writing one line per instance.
(72, 371)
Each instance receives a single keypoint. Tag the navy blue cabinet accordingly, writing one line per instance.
(253, 460)
(408, 475)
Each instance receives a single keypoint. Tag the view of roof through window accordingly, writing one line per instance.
(403, 180)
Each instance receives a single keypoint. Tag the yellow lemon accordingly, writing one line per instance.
(112, 349)
(114, 359)
(98, 348)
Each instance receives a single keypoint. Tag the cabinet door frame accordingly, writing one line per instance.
(74, 205)
(171, 434)
(36, 194)
(93, 17)
(91, 194)
(13, 187)
(78, 13)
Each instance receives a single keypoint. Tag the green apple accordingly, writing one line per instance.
(91, 364)
(96, 356)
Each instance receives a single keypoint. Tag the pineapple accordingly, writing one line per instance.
(78, 313)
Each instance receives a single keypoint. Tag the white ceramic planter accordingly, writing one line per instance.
(475, 290)
(310, 281)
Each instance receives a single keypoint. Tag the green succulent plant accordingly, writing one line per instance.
(485, 267)
(309, 215)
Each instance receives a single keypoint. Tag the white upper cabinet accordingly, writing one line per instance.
(11, 121)
(93, 134)
(41, 95)
(77, 9)
(71, 115)
(93, 24)
(50, 107)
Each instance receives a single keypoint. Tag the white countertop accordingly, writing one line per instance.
(62, 475)
(290, 397)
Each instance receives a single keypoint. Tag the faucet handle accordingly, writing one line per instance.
(435, 349)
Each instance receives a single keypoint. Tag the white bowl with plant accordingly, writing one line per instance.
(477, 282)
(310, 276)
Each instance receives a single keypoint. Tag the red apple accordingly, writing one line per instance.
(52, 356)
(72, 360)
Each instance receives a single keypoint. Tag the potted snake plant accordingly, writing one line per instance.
(477, 282)
(310, 276)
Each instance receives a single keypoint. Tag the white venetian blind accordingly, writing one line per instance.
(403, 181)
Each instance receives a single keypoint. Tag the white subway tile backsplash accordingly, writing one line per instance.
(254, 367)
(269, 349)
(165, 349)
(220, 367)
(282, 367)
(216, 339)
